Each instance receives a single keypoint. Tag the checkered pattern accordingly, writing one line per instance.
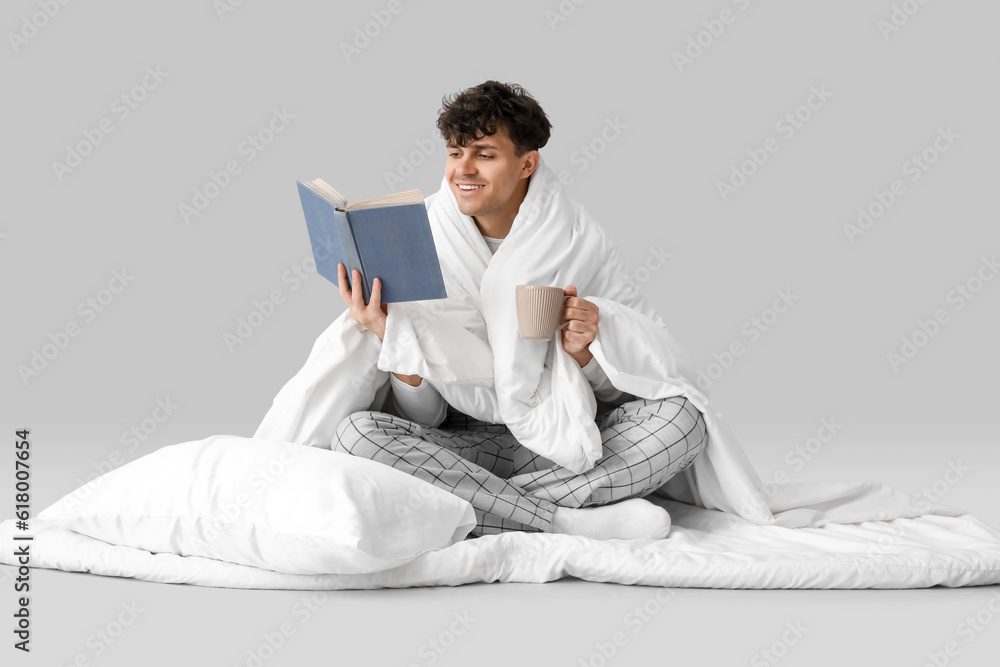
(646, 442)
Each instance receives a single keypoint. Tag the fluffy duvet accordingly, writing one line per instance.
(705, 549)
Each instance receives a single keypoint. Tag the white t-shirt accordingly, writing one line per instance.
(493, 244)
(424, 405)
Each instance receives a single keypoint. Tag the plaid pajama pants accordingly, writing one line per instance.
(646, 442)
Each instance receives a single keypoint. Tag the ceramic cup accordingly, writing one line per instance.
(539, 310)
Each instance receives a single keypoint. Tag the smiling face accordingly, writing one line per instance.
(488, 180)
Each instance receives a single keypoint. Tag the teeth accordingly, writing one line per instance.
(470, 187)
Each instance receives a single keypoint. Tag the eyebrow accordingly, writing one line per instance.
(452, 144)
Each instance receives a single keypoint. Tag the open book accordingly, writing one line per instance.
(387, 237)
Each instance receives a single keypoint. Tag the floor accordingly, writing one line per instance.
(82, 619)
(569, 622)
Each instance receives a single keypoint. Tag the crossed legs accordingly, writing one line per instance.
(646, 442)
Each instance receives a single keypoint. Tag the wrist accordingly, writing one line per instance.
(378, 330)
(583, 357)
(412, 380)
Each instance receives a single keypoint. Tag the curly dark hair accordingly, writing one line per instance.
(482, 110)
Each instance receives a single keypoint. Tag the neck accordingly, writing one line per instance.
(494, 230)
(497, 225)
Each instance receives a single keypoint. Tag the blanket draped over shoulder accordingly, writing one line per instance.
(468, 348)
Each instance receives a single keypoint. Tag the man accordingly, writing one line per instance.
(494, 132)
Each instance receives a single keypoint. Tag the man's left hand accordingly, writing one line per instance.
(582, 317)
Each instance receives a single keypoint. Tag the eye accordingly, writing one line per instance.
(488, 157)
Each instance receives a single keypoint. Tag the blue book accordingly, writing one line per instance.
(388, 238)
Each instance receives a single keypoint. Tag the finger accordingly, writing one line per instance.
(376, 299)
(342, 283)
(582, 304)
(584, 314)
(564, 315)
(571, 340)
(572, 302)
(582, 327)
(357, 296)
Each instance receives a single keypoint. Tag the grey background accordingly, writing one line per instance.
(653, 187)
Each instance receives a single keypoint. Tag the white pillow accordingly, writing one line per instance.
(274, 505)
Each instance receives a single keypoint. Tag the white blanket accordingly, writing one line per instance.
(705, 549)
(468, 348)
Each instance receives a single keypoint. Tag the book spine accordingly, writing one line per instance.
(351, 252)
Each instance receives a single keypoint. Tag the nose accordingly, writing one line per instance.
(466, 164)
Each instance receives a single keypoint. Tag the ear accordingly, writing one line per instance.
(531, 161)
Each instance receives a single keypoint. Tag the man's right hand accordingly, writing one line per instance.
(372, 316)
(412, 380)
